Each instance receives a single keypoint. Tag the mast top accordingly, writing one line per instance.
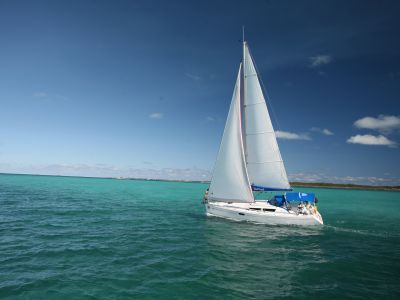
(243, 40)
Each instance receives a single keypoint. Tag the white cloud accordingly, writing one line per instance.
(368, 139)
(327, 132)
(320, 60)
(291, 135)
(325, 178)
(324, 131)
(382, 123)
(156, 115)
(194, 77)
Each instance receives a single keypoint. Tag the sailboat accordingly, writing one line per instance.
(249, 161)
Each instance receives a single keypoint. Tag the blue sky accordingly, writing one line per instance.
(142, 88)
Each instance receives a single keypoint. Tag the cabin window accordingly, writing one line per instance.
(269, 209)
(242, 214)
(255, 208)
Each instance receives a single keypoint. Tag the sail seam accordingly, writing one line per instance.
(262, 132)
(252, 104)
(264, 162)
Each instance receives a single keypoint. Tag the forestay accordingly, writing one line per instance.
(265, 167)
(230, 180)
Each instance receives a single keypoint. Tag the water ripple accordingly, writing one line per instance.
(100, 239)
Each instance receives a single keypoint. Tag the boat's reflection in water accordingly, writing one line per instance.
(244, 257)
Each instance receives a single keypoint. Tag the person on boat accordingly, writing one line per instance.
(307, 208)
(302, 208)
(205, 196)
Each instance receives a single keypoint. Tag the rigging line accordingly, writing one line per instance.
(269, 102)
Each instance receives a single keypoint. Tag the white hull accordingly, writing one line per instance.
(261, 212)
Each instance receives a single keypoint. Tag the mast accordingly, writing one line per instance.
(242, 108)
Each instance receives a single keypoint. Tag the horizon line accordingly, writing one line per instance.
(312, 184)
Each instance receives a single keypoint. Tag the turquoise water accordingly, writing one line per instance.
(90, 238)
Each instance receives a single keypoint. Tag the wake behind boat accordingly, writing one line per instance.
(249, 160)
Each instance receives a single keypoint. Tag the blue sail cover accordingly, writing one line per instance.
(310, 197)
(257, 188)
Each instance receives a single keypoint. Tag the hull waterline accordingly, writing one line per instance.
(261, 213)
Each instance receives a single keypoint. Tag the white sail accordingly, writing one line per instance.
(230, 182)
(264, 162)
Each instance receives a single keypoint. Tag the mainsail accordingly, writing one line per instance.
(265, 167)
(230, 181)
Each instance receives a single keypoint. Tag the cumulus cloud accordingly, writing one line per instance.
(382, 123)
(324, 131)
(156, 115)
(320, 60)
(291, 135)
(368, 139)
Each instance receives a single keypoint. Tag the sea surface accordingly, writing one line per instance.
(86, 238)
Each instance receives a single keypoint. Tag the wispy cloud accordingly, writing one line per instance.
(394, 75)
(324, 131)
(210, 119)
(320, 60)
(291, 135)
(382, 123)
(194, 77)
(47, 97)
(40, 95)
(156, 115)
(368, 139)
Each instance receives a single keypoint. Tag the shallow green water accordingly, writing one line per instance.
(120, 239)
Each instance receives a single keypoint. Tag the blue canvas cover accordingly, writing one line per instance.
(257, 188)
(279, 199)
(310, 197)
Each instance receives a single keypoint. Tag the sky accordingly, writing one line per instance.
(142, 88)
